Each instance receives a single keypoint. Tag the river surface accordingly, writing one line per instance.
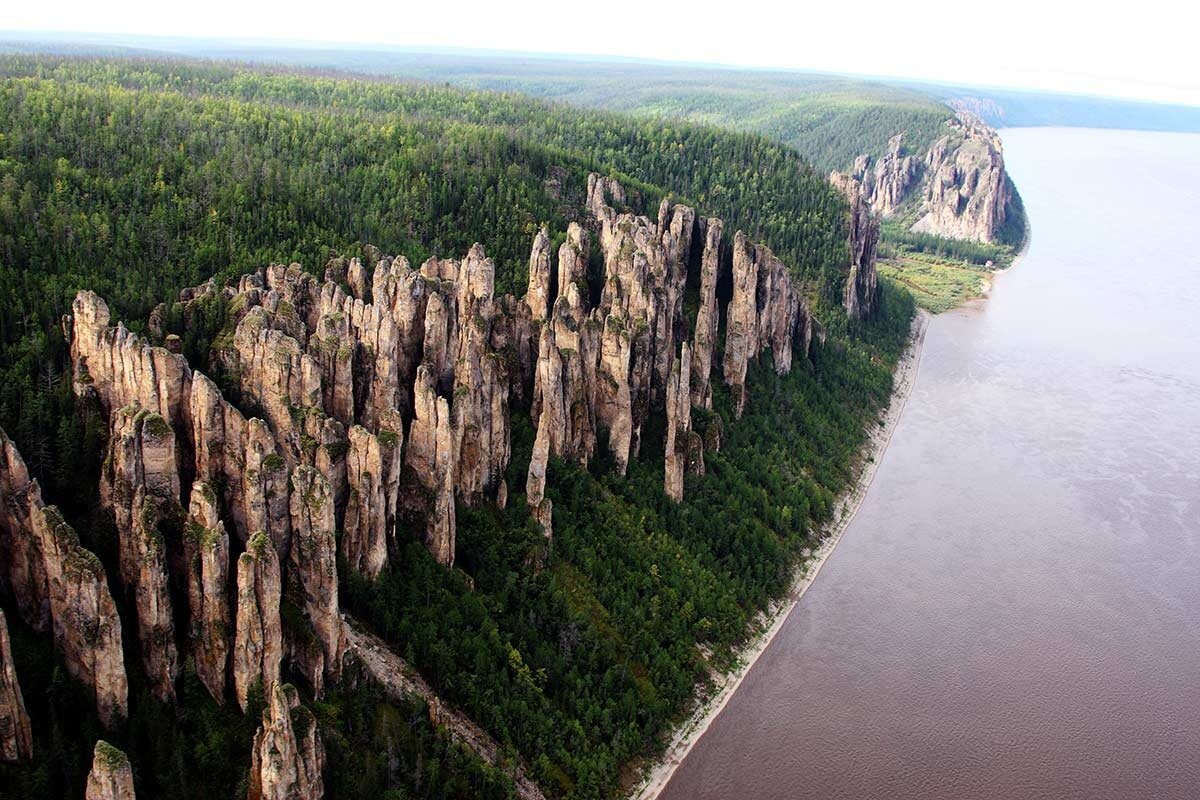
(1015, 612)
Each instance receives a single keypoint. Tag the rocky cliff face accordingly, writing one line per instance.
(966, 191)
(16, 737)
(288, 757)
(87, 629)
(60, 585)
(708, 316)
(369, 403)
(258, 638)
(765, 311)
(958, 189)
(24, 568)
(206, 560)
(861, 294)
(140, 485)
(313, 575)
(111, 777)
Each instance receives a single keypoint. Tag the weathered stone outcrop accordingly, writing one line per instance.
(361, 405)
(140, 485)
(356, 279)
(765, 310)
(679, 424)
(539, 295)
(958, 189)
(573, 259)
(87, 629)
(258, 639)
(404, 292)
(313, 580)
(480, 416)
(886, 187)
(428, 489)
(60, 585)
(966, 190)
(373, 475)
(287, 758)
(861, 293)
(206, 562)
(636, 314)
(276, 374)
(111, 777)
(120, 369)
(707, 316)
(22, 566)
(241, 456)
(566, 424)
(16, 736)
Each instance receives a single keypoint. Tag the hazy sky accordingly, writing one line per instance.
(1145, 49)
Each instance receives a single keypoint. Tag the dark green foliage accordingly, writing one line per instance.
(378, 748)
(138, 178)
(198, 751)
(582, 665)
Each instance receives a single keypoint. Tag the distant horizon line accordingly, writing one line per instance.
(267, 43)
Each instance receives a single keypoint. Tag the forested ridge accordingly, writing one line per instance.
(137, 178)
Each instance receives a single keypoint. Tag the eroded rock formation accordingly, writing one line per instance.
(707, 317)
(958, 189)
(287, 758)
(861, 294)
(24, 568)
(59, 584)
(140, 485)
(679, 425)
(313, 577)
(966, 189)
(87, 629)
(111, 777)
(370, 405)
(16, 737)
(206, 561)
(373, 475)
(766, 310)
(258, 639)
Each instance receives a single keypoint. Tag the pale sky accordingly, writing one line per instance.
(1145, 49)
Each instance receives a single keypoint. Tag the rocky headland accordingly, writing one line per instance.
(957, 189)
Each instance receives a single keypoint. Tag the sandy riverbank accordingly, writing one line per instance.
(772, 619)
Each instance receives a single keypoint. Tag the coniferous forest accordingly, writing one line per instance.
(137, 178)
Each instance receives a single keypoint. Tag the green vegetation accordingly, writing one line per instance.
(829, 119)
(137, 178)
(937, 284)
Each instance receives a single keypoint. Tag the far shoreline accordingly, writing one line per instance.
(688, 733)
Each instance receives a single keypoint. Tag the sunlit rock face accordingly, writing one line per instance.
(111, 776)
(861, 293)
(287, 757)
(958, 189)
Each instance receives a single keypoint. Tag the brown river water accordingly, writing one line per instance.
(1015, 612)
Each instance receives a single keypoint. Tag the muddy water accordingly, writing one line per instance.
(1015, 612)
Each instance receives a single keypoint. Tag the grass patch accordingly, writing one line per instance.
(938, 284)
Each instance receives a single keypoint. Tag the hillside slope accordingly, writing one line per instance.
(487, 454)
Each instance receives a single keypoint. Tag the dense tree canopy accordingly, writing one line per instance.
(137, 178)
